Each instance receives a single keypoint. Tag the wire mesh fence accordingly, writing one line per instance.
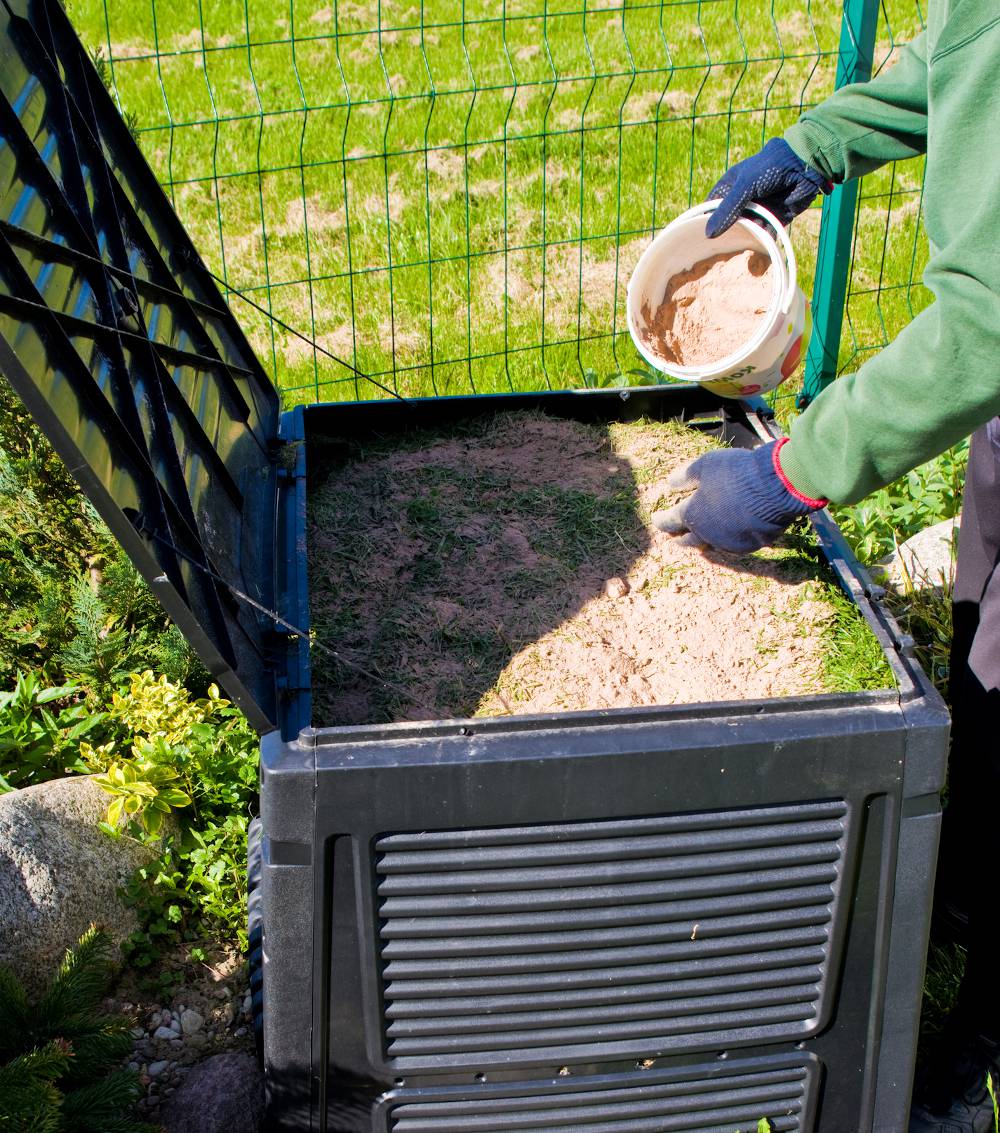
(450, 195)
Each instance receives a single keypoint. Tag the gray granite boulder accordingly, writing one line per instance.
(925, 561)
(58, 874)
(223, 1094)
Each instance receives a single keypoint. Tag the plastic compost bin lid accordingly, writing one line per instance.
(119, 343)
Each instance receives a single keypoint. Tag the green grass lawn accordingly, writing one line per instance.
(451, 194)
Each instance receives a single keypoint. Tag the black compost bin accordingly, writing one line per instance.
(635, 921)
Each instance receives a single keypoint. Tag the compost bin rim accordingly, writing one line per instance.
(750, 418)
(471, 727)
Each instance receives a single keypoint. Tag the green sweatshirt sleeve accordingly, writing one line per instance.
(865, 125)
(939, 380)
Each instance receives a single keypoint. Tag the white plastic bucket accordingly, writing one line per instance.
(778, 342)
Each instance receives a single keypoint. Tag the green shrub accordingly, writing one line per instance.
(58, 1055)
(173, 751)
(927, 495)
(41, 730)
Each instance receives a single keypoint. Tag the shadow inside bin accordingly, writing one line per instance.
(448, 570)
(434, 557)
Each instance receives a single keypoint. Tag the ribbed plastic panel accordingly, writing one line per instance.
(607, 938)
(735, 1102)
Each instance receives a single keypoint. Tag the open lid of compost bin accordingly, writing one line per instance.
(117, 340)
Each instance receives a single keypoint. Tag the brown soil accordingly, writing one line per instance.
(510, 567)
(710, 310)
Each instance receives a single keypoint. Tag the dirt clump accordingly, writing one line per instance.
(711, 309)
(508, 565)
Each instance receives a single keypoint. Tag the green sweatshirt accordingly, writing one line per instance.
(940, 379)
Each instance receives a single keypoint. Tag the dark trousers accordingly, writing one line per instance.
(970, 839)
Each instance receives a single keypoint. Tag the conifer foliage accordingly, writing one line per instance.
(60, 1055)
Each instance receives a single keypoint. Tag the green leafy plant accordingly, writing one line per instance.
(58, 1054)
(144, 786)
(183, 751)
(41, 730)
(927, 495)
(197, 756)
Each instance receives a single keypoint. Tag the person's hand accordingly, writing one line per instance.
(740, 500)
(776, 178)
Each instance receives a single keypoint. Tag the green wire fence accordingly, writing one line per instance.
(450, 195)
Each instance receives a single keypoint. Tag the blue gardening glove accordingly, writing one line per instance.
(775, 177)
(741, 499)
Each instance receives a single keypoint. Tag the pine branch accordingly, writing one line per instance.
(30, 1107)
(29, 1099)
(43, 1064)
(13, 1013)
(98, 1044)
(82, 978)
(101, 1107)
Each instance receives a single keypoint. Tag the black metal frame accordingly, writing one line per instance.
(114, 335)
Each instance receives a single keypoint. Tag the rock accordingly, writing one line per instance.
(175, 1025)
(191, 1021)
(615, 588)
(155, 1069)
(197, 1040)
(164, 1033)
(247, 1004)
(59, 873)
(137, 1033)
(925, 561)
(223, 1094)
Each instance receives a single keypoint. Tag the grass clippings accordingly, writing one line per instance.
(508, 566)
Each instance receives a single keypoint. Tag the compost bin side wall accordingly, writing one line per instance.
(407, 812)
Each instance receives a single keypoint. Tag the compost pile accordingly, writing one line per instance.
(509, 566)
(710, 310)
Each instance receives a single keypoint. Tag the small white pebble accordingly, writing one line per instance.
(615, 588)
(190, 1022)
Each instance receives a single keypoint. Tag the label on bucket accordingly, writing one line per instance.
(751, 378)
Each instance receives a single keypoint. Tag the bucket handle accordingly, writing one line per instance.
(772, 222)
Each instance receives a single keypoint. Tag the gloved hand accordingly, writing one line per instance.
(741, 501)
(776, 178)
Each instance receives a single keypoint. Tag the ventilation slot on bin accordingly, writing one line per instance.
(613, 938)
(734, 1103)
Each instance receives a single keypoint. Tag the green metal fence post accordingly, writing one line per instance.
(833, 256)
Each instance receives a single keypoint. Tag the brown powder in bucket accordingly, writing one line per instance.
(710, 310)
